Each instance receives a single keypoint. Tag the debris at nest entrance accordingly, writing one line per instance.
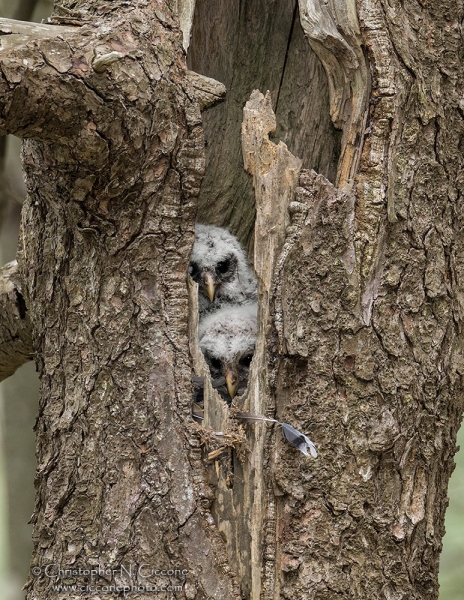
(217, 443)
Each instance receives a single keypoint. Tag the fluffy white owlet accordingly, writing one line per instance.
(219, 265)
(227, 340)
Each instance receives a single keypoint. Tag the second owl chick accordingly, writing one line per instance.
(227, 340)
(219, 265)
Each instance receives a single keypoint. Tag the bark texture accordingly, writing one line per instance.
(360, 340)
(367, 309)
(114, 158)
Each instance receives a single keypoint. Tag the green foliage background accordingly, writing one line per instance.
(452, 558)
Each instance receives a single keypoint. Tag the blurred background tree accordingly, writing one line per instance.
(19, 395)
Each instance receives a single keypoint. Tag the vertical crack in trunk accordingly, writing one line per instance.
(290, 35)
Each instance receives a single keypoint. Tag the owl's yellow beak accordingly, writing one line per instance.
(210, 285)
(231, 376)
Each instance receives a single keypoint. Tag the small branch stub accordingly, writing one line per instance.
(207, 91)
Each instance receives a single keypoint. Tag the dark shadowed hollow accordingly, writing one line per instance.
(247, 46)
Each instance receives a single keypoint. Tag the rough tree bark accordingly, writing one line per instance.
(360, 271)
(366, 312)
(113, 131)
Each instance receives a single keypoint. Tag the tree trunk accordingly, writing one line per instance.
(360, 301)
(111, 119)
(365, 306)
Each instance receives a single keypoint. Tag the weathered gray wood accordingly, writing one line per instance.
(275, 175)
(186, 10)
(333, 31)
(35, 30)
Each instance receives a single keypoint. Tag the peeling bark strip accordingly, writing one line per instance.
(15, 326)
(332, 30)
(114, 159)
(275, 175)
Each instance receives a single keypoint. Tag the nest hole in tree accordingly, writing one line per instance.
(246, 47)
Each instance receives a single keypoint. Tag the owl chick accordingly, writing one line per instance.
(227, 340)
(219, 265)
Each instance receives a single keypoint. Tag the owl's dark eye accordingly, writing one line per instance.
(193, 270)
(215, 363)
(223, 266)
(246, 360)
